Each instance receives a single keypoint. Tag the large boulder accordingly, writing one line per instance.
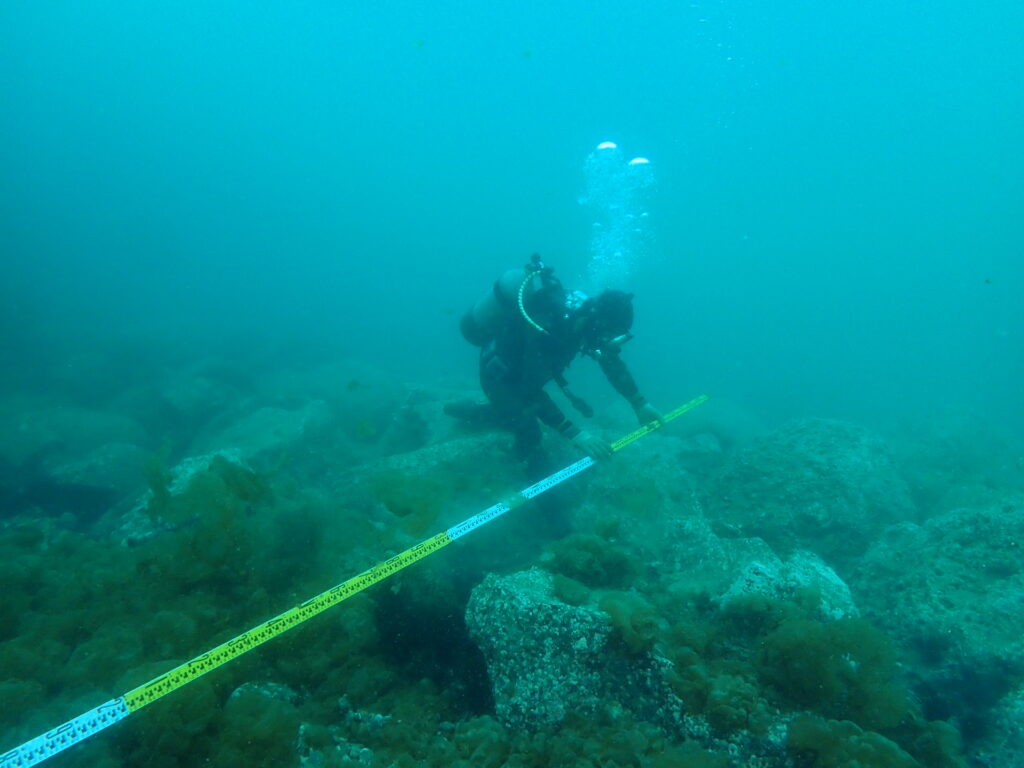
(42, 434)
(826, 486)
(958, 459)
(194, 399)
(160, 508)
(956, 602)
(102, 479)
(546, 658)
(802, 578)
(430, 488)
(1002, 745)
(647, 500)
(67, 460)
(373, 411)
(269, 433)
(646, 505)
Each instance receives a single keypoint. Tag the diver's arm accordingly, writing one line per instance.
(552, 415)
(621, 379)
(590, 444)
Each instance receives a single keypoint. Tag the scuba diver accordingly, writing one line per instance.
(529, 329)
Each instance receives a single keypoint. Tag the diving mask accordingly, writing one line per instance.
(610, 346)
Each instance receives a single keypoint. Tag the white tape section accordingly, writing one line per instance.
(64, 736)
(499, 509)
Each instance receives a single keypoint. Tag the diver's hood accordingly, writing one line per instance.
(608, 320)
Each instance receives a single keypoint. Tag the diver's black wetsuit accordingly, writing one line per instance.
(517, 363)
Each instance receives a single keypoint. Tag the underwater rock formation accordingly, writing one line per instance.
(31, 429)
(958, 459)
(161, 508)
(268, 433)
(657, 635)
(547, 659)
(957, 604)
(648, 502)
(818, 484)
(645, 483)
(196, 398)
(112, 467)
(1003, 743)
(702, 563)
(802, 575)
(650, 508)
(552, 665)
(341, 744)
(67, 460)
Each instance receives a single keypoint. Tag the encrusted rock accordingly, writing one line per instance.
(138, 524)
(957, 601)
(339, 752)
(542, 655)
(701, 562)
(547, 659)
(822, 485)
(1003, 744)
(802, 575)
(341, 745)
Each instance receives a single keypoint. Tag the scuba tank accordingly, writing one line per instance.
(508, 296)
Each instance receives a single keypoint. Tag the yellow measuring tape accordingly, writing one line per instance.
(85, 725)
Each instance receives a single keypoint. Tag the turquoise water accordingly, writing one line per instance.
(211, 208)
(836, 201)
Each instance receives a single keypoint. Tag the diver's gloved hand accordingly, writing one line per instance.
(647, 413)
(592, 445)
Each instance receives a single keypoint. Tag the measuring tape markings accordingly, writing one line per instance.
(481, 518)
(190, 670)
(85, 725)
(66, 735)
(560, 476)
